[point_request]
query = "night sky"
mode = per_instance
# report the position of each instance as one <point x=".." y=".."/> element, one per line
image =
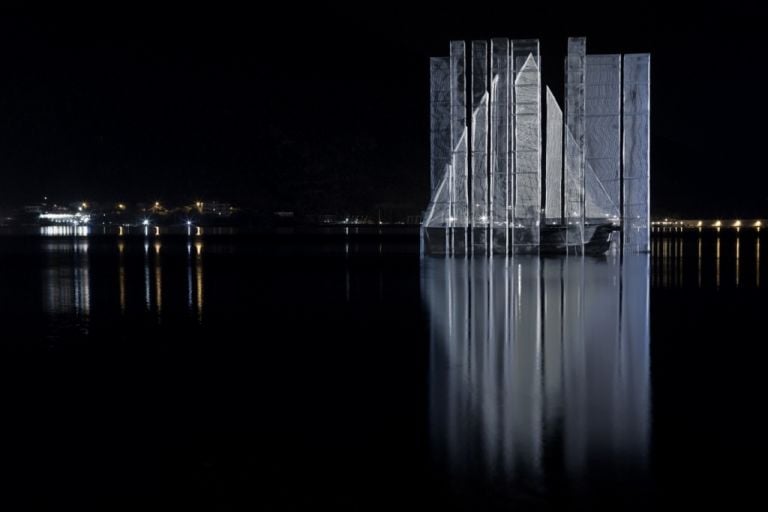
<point x="326" y="109"/>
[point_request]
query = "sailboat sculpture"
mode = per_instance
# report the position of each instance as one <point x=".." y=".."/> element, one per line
<point x="488" y="192"/>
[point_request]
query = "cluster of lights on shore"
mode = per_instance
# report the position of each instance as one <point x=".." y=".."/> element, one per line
<point x="81" y="219"/>
<point x="156" y="229"/>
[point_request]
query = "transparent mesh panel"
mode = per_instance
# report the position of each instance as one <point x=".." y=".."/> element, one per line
<point x="573" y="193"/>
<point x="439" y="119"/>
<point x="596" y="197"/>
<point x="479" y="205"/>
<point x="527" y="144"/>
<point x="602" y="128"/>
<point x="553" y="209"/>
<point x="440" y="142"/>
<point x="500" y="138"/>
<point x="636" y="151"/>
<point x="438" y="211"/>
<point x="459" y="210"/>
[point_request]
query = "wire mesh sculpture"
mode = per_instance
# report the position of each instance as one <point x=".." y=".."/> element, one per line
<point x="488" y="194"/>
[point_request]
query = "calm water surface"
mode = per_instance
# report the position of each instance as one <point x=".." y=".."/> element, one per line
<point x="290" y="372"/>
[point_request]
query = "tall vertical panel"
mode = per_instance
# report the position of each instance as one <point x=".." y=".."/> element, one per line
<point x="553" y="205"/>
<point x="573" y="193"/>
<point x="636" y="151"/>
<point x="459" y="163"/>
<point x="480" y="97"/>
<point x="500" y="142"/>
<point x="440" y="141"/>
<point x="602" y="137"/>
<point x="527" y="144"/>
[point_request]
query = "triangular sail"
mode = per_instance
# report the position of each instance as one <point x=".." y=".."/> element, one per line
<point x="553" y="205"/>
<point x="438" y="211"/>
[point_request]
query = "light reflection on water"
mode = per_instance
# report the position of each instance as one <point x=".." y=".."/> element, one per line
<point x="65" y="230"/>
<point x="195" y="279"/>
<point x="121" y="275"/>
<point x="722" y="260"/>
<point x="147" y="291"/>
<point x="199" y="279"/>
<point x="66" y="277"/>
<point x="158" y="269"/>
<point x="538" y="367"/>
<point x="67" y="287"/>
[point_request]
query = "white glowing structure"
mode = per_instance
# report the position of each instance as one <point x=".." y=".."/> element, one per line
<point x="449" y="208"/>
<point x="573" y="183"/>
<point x="602" y="137"/>
<point x="440" y="137"/>
<point x="636" y="151"/>
<point x="527" y="144"/>
<point x="553" y="211"/>
<point x="459" y="167"/>
<point x="500" y="143"/>
<point x="489" y="194"/>
<point x="478" y="212"/>
<point x="66" y="218"/>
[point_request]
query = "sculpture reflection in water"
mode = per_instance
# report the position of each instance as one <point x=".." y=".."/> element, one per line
<point x="539" y="368"/>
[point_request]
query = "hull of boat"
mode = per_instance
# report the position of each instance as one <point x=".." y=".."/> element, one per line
<point x="554" y="239"/>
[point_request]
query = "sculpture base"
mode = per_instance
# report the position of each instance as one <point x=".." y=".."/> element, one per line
<point x="554" y="239"/>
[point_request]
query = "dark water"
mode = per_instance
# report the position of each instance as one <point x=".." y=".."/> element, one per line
<point x="292" y="372"/>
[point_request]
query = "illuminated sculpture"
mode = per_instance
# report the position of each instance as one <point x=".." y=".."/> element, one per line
<point x="488" y="194"/>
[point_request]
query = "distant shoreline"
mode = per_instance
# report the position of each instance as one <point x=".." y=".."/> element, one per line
<point x="192" y="231"/>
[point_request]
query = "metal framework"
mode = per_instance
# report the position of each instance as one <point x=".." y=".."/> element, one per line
<point x="636" y="151"/>
<point x="573" y="185"/>
<point x="501" y="143"/>
<point x="527" y="144"/>
<point x="553" y="210"/>
<point x="440" y="140"/>
<point x="480" y="96"/>
<point x="459" y="176"/>
<point x="488" y="192"/>
<point x="602" y="137"/>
